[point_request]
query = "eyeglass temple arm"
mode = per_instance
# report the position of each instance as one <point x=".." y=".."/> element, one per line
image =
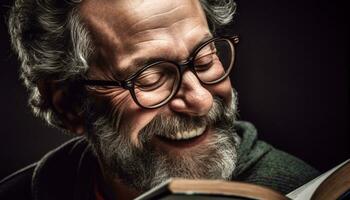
<point x="234" y="39"/>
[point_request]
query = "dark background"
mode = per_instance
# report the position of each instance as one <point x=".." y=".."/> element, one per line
<point x="291" y="77"/>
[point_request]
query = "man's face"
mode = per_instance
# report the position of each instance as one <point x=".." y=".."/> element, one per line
<point x="128" y="34"/>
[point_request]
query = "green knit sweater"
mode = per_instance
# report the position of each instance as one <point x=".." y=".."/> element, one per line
<point x="262" y="164"/>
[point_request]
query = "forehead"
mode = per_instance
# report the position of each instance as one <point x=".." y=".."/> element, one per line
<point x="124" y="31"/>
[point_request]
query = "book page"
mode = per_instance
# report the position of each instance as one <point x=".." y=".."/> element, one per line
<point x="305" y="192"/>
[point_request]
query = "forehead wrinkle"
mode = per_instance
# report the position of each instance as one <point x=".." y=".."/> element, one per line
<point x="165" y="50"/>
<point x="103" y="34"/>
<point x="146" y="23"/>
<point x="161" y="27"/>
<point x="157" y="35"/>
<point x="166" y="45"/>
<point x="104" y="20"/>
<point x="161" y="31"/>
<point x="139" y="58"/>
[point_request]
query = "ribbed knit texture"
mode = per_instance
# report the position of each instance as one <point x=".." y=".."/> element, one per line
<point x="262" y="164"/>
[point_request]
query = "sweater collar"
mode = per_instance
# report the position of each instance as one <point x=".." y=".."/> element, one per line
<point x="66" y="172"/>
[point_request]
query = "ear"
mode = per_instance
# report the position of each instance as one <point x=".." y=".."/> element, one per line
<point x="64" y="103"/>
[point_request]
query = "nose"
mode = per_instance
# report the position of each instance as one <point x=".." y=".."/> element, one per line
<point x="192" y="98"/>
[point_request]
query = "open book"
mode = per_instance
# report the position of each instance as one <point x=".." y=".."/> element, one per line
<point x="334" y="184"/>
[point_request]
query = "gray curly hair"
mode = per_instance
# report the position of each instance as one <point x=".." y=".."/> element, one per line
<point x="53" y="44"/>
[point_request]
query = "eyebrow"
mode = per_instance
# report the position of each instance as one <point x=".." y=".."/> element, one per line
<point x="141" y="62"/>
<point x="206" y="37"/>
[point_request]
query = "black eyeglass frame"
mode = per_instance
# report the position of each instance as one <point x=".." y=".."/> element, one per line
<point x="129" y="83"/>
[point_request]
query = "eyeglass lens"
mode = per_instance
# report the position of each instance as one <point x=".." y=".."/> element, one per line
<point x="214" y="61"/>
<point x="158" y="83"/>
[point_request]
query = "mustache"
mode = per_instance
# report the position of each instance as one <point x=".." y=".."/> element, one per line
<point x="169" y="125"/>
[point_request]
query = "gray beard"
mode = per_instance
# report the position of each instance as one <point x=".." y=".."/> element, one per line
<point x="143" y="167"/>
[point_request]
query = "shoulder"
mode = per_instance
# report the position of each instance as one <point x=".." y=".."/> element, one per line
<point x="18" y="184"/>
<point x="55" y="171"/>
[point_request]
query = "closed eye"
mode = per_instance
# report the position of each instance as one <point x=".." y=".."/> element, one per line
<point x="204" y="62"/>
<point x="151" y="81"/>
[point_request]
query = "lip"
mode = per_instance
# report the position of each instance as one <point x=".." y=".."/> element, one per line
<point x="171" y="145"/>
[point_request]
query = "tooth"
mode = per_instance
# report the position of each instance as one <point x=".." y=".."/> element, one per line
<point x="194" y="132"/>
<point x="186" y="134"/>
<point x="189" y="134"/>
<point x="200" y="131"/>
<point x="178" y="136"/>
<point x="183" y="135"/>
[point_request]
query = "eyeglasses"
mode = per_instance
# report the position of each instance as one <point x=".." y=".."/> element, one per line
<point x="155" y="84"/>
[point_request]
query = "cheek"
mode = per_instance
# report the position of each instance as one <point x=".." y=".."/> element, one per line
<point x="116" y="102"/>
<point x="133" y="117"/>
<point x="110" y="101"/>
<point x="223" y="90"/>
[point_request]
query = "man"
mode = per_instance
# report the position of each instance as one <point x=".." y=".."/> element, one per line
<point x="144" y="84"/>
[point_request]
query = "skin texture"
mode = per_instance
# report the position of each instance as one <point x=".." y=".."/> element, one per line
<point x="129" y="33"/>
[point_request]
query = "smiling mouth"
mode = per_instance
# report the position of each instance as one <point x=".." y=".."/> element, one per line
<point x="183" y="139"/>
<point x="185" y="135"/>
